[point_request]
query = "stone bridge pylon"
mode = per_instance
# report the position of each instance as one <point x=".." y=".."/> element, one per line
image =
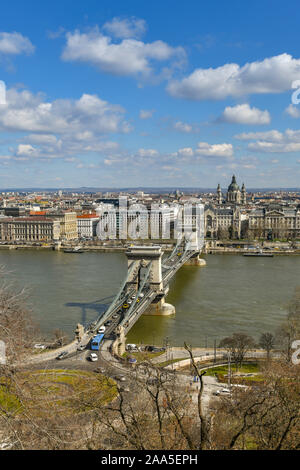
<point x="148" y="260"/>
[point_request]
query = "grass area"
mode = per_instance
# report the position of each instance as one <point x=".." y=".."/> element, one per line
<point x="250" y="368"/>
<point x="246" y="368"/>
<point x="64" y="391"/>
<point x="141" y="356"/>
<point x="9" y="402"/>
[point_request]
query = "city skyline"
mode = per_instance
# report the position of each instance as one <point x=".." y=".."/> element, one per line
<point x="116" y="96"/>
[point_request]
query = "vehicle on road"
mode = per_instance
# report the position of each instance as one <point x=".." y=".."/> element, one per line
<point x="124" y="389"/>
<point x="96" y="341"/>
<point x="154" y="349"/>
<point x="108" y="322"/>
<point x="222" y="391"/>
<point x="131" y="347"/>
<point x="39" y="346"/>
<point x="115" y="316"/>
<point x="121" y="378"/>
<point x="62" y="355"/>
<point x="93" y="357"/>
<point x="101" y="329"/>
<point x="81" y="347"/>
<point x="99" y="370"/>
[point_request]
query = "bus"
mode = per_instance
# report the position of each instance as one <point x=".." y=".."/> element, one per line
<point x="96" y="341"/>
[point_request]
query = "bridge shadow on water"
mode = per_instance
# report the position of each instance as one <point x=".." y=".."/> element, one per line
<point x="97" y="306"/>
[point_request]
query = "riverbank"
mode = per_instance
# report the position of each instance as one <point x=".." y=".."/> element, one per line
<point x="278" y="250"/>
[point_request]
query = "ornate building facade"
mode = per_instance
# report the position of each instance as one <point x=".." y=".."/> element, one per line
<point x="222" y="222"/>
<point x="274" y="222"/>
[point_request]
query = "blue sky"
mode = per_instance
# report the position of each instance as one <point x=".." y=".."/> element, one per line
<point x="170" y="93"/>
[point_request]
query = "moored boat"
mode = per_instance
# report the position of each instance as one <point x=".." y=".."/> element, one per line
<point x="76" y="249"/>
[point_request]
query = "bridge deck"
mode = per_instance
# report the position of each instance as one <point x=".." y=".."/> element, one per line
<point x="138" y="301"/>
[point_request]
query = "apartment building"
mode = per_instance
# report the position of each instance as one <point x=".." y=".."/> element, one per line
<point x="29" y="229"/>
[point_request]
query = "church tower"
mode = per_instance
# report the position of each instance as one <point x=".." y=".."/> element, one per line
<point x="219" y="194"/>
<point x="244" y="195"/>
<point x="233" y="193"/>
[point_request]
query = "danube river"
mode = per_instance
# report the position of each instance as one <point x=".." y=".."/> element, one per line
<point x="232" y="293"/>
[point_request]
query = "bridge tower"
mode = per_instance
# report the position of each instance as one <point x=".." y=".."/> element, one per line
<point x="142" y="256"/>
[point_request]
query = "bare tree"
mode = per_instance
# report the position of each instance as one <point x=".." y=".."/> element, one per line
<point x="238" y="345"/>
<point x="267" y="342"/>
<point x="265" y="417"/>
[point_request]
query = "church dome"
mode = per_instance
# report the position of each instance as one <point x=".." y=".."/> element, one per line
<point x="233" y="185"/>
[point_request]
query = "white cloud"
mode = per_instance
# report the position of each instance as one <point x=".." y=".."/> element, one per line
<point x="25" y="111"/>
<point x="14" y="44"/>
<point x="273" y="136"/>
<point x="215" y="150"/>
<point x="186" y="152"/>
<point x="146" y="114"/>
<point x="183" y="127"/>
<point x="293" y="111"/>
<point x="62" y="127"/>
<point x="26" y="150"/>
<point x="270" y="147"/>
<point x="271" y="75"/>
<point x="147" y="153"/>
<point x="244" y="114"/>
<point x="129" y="57"/>
<point x="126" y="27"/>
<point x="273" y="141"/>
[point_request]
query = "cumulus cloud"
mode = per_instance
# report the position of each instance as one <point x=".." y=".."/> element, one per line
<point x="273" y="141"/>
<point x="15" y="44"/>
<point x="244" y="114"/>
<point x="273" y="136"/>
<point x="25" y="111"/>
<point x="293" y="111"/>
<point x="183" y="127"/>
<point x="186" y="152"/>
<point x="129" y="57"/>
<point x="147" y="153"/>
<point x="61" y="127"/>
<point x="214" y="150"/>
<point x="146" y="114"/>
<point x="126" y="27"/>
<point x="271" y="75"/>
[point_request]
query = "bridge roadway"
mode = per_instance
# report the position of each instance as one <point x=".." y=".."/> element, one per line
<point x="130" y="304"/>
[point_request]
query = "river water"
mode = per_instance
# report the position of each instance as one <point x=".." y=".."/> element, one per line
<point x="232" y="293"/>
